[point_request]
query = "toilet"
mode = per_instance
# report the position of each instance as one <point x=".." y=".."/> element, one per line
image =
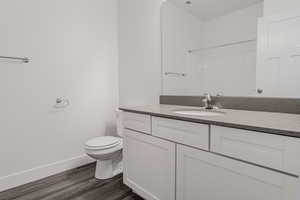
<point x="107" y="150"/>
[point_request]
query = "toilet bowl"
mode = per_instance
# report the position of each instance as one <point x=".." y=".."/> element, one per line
<point x="107" y="151"/>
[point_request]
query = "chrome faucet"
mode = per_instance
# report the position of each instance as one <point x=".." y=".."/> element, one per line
<point x="208" y="103"/>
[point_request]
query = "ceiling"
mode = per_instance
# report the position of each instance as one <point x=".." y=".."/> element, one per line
<point x="208" y="9"/>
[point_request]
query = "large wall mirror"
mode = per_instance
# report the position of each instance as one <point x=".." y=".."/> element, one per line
<point x="229" y="49"/>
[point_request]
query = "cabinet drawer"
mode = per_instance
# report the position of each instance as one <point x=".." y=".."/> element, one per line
<point x="192" y="134"/>
<point x="273" y="151"/>
<point x="137" y="122"/>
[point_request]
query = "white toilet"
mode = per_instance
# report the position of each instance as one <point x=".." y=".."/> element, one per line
<point x="107" y="150"/>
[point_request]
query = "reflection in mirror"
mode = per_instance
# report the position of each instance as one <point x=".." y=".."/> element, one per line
<point x="226" y="49"/>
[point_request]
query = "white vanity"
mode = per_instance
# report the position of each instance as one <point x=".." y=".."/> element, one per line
<point x="167" y="157"/>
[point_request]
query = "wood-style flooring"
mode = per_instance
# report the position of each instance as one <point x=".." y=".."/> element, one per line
<point x="76" y="184"/>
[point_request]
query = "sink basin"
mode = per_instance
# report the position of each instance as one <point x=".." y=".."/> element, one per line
<point x="200" y="113"/>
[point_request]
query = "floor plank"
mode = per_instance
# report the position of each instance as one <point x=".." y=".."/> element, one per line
<point x="76" y="184"/>
<point x="133" y="197"/>
<point x="85" y="171"/>
<point x="114" y="190"/>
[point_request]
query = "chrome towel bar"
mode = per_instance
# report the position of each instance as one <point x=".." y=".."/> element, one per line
<point x="175" y="73"/>
<point x="24" y="60"/>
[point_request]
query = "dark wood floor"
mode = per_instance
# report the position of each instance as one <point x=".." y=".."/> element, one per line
<point x="77" y="184"/>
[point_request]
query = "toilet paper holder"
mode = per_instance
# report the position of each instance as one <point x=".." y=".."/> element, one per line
<point x="61" y="102"/>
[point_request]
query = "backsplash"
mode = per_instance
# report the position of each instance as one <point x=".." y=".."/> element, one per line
<point x="282" y="105"/>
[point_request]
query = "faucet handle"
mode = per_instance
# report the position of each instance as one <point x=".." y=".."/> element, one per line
<point x="207" y="96"/>
<point x="205" y="102"/>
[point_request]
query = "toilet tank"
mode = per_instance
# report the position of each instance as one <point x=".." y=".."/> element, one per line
<point x="119" y="115"/>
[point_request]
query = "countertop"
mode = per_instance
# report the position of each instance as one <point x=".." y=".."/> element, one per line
<point x="267" y="122"/>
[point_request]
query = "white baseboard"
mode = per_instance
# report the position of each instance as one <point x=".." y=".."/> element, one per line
<point x="27" y="176"/>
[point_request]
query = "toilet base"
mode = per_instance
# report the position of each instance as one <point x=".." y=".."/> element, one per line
<point x="106" y="169"/>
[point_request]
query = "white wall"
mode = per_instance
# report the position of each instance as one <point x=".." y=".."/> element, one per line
<point x="139" y="52"/>
<point x="73" y="47"/>
<point x="273" y="7"/>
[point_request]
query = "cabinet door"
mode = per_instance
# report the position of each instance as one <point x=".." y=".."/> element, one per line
<point x="278" y="58"/>
<point x="149" y="166"/>
<point x="203" y="175"/>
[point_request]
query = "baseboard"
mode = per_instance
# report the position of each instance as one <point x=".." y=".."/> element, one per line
<point x="27" y="176"/>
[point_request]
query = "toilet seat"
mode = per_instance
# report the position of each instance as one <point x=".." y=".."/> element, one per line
<point x="105" y="142"/>
<point x="107" y="151"/>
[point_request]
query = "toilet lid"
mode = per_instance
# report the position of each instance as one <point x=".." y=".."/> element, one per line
<point x="102" y="142"/>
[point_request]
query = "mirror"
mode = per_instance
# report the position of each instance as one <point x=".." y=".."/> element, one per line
<point x="229" y="49"/>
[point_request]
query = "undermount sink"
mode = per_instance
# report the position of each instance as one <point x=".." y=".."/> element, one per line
<point x="199" y="113"/>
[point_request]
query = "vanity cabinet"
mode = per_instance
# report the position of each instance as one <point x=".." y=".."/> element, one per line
<point x="149" y="166"/>
<point x="203" y="175"/>
<point x="167" y="159"/>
